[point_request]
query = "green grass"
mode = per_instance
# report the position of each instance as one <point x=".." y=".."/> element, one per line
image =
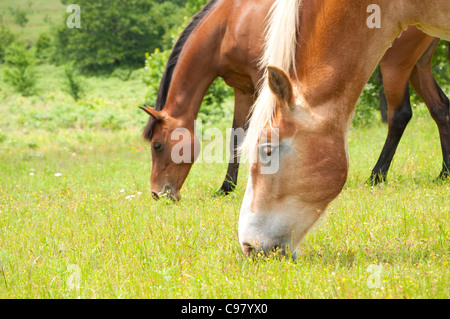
<point x="75" y="195"/>
<point x="42" y="16"/>
<point x="134" y="247"/>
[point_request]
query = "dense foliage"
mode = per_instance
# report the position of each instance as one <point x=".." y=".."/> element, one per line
<point x="118" y="37"/>
<point x="20" y="69"/>
<point x="117" y="33"/>
<point x="6" y="38"/>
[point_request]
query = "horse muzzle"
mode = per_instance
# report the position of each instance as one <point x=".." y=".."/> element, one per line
<point x="266" y="250"/>
<point x="168" y="192"/>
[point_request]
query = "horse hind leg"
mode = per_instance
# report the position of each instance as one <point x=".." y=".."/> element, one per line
<point x="425" y="85"/>
<point x="398" y="118"/>
<point x="396" y="67"/>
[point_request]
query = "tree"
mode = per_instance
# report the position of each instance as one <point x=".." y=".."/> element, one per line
<point x="6" y="39"/>
<point x="20" y="72"/>
<point x="20" y="17"/>
<point x="116" y="33"/>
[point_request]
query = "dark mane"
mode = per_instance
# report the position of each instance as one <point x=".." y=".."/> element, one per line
<point x="172" y="62"/>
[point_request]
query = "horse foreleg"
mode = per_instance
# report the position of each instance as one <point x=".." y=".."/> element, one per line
<point x="425" y="85"/>
<point x="243" y="102"/>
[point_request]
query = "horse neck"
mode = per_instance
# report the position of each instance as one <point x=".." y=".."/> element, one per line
<point x="337" y="53"/>
<point x="195" y="71"/>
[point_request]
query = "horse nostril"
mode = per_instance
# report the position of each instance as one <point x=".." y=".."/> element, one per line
<point x="247" y="248"/>
<point x="155" y="195"/>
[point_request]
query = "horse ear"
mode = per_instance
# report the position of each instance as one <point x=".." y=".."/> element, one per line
<point x="152" y="112"/>
<point x="280" y="84"/>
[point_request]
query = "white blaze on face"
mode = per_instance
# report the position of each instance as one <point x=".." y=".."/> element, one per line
<point x="246" y="211"/>
<point x="263" y="230"/>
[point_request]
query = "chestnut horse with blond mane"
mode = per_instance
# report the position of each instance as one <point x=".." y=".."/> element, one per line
<point x="225" y="40"/>
<point x="319" y="54"/>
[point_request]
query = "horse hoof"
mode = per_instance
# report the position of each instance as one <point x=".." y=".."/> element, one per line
<point x="221" y="192"/>
<point x="443" y="177"/>
<point x="376" y="179"/>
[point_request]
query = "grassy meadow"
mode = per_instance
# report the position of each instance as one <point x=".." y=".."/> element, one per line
<point x="42" y="15"/>
<point x="77" y="219"/>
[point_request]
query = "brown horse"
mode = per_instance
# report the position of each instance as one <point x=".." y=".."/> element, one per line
<point x="225" y="40"/>
<point x="319" y="55"/>
<point x="400" y="64"/>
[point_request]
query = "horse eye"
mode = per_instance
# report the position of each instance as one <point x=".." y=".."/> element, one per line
<point x="266" y="149"/>
<point x="157" y="146"/>
<point x="266" y="153"/>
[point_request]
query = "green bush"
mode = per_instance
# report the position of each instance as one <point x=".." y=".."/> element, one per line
<point x="440" y="64"/>
<point x="6" y="39"/>
<point x="20" y="73"/>
<point x="155" y="64"/>
<point x="44" y="47"/>
<point x="3" y="137"/>
<point x="73" y="83"/>
<point x="368" y="106"/>
<point x="193" y="6"/>
<point x="214" y="106"/>
<point x="20" y="17"/>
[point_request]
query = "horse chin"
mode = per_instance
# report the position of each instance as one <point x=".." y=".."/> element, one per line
<point x="260" y="236"/>
<point x="270" y="250"/>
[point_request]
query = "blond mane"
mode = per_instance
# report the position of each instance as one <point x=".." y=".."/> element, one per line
<point x="279" y="50"/>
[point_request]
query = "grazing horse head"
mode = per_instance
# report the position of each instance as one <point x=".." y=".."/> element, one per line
<point x="171" y="122"/>
<point x="222" y="40"/>
<point x="174" y="148"/>
<point x="310" y="170"/>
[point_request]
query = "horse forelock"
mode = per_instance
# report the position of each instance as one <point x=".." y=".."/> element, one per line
<point x="166" y="79"/>
<point x="280" y="51"/>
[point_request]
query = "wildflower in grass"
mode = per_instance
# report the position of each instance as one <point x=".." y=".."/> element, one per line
<point x="58" y="174"/>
